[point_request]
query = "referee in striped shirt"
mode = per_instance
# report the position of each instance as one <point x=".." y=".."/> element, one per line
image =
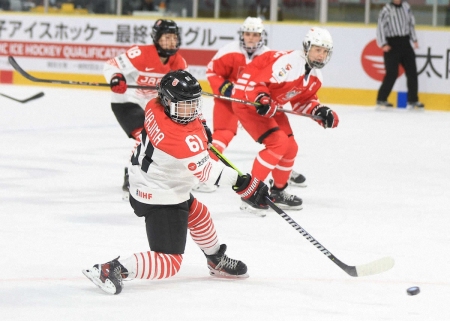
<point x="395" y="31"/>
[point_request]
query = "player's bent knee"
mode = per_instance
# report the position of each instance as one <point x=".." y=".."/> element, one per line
<point x="198" y="214"/>
<point x="278" y="142"/>
<point x="292" y="147"/>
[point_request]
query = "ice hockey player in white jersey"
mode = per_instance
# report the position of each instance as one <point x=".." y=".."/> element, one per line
<point x="142" y="65"/>
<point x="170" y="159"/>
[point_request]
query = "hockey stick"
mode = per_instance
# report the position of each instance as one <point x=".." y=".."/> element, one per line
<point x="287" y="111"/>
<point x="374" y="267"/>
<point x="19" y="69"/>
<point x="246" y="102"/>
<point x="38" y="95"/>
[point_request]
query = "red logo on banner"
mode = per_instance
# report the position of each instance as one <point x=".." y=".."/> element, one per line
<point x="373" y="62"/>
<point x="192" y="166"/>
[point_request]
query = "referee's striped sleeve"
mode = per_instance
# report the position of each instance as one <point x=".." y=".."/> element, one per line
<point x="381" y="34"/>
<point x="412" y="29"/>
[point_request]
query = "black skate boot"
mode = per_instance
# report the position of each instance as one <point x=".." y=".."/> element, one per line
<point x="126" y="185"/>
<point x="384" y="105"/>
<point x="251" y="208"/>
<point x="284" y="200"/>
<point x="297" y="179"/>
<point x="222" y="266"/>
<point x="108" y="276"/>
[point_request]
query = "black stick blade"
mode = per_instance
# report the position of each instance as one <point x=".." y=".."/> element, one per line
<point x="38" y="95"/>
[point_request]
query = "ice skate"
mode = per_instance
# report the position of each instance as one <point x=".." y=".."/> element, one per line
<point x="284" y="200"/>
<point x="418" y="106"/>
<point x="222" y="266"/>
<point x="384" y="105"/>
<point x="107" y="276"/>
<point x="251" y="208"/>
<point x="204" y="188"/>
<point x="126" y="185"/>
<point x="297" y="179"/>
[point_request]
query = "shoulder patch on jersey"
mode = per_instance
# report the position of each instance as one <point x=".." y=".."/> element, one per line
<point x="122" y="63"/>
<point x="192" y="166"/>
<point x="287" y="67"/>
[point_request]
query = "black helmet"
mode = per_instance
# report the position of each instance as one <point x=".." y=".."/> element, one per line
<point x="180" y="87"/>
<point x="162" y="27"/>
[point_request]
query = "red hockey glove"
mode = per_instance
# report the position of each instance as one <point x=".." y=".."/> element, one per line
<point x="252" y="190"/>
<point x="118" y="84"/>
<point x="226" y="89"/>
<point x="266" y="107"/>
<point x="329" y="118"/>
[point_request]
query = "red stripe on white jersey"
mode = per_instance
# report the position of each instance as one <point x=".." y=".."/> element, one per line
<point x="204" y="174"/>
<point x="112" y="62"/>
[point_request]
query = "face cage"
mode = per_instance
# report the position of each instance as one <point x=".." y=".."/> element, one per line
<point x="317" y="64"/>
<point x="251" y="50"/>
<point x="167" y="52"/>
<point x="193" y="106"/>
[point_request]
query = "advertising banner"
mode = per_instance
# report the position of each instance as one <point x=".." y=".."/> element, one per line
<point x="81" y="45"/>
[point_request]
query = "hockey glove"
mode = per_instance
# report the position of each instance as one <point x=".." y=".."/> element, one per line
<point x="266" y="107"/>
<point x="226" y="89"/>
<point x="252" y="190"/>
<point x="118" y="84"/>
<point x="208" y="131"/>
<point x="329" y="118"/>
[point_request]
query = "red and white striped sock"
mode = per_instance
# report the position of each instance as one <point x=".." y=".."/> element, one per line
<point x="202" y="228"/>
<point x="152" y="265"/>
<point x="156" y="265"/>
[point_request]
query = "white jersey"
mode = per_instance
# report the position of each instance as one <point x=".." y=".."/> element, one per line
<point x="141" y="65"/>
<point x="171" y="159"/>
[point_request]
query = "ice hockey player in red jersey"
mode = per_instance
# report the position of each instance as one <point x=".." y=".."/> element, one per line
<point x="272" y="80"/>
<point x="172" y="156"/>
<point x="222" y="72"/>
<point x="142" y="65"/>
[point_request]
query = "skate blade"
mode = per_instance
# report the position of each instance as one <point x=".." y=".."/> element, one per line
<point x="203" y="188"/>
<point x="107" y="287"/>
<point x="249" y="209"/>
<point x="225" y="275"/>
<point x="384" y="108"/>
<point x="287" y="207"/>
<point x="415" y="109"/>
<point x="291" y="183"/>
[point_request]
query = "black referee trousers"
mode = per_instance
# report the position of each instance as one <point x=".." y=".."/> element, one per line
<point x="401" y="53"/>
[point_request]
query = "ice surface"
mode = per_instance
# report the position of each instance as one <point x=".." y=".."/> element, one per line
<point x="378" y="185"/>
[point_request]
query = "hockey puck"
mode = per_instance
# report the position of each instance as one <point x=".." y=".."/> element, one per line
<point x="413" y="290"/>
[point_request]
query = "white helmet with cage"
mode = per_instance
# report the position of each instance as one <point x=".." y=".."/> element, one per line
<point x="252" y="25"/>
<point x="318" y="37"/>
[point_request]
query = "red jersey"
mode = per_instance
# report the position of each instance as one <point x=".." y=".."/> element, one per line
<point x="171" y="159"/>
<point x="281" y="74"/>
<point x="141" y="65"/>
<point x="228" y="63"/>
